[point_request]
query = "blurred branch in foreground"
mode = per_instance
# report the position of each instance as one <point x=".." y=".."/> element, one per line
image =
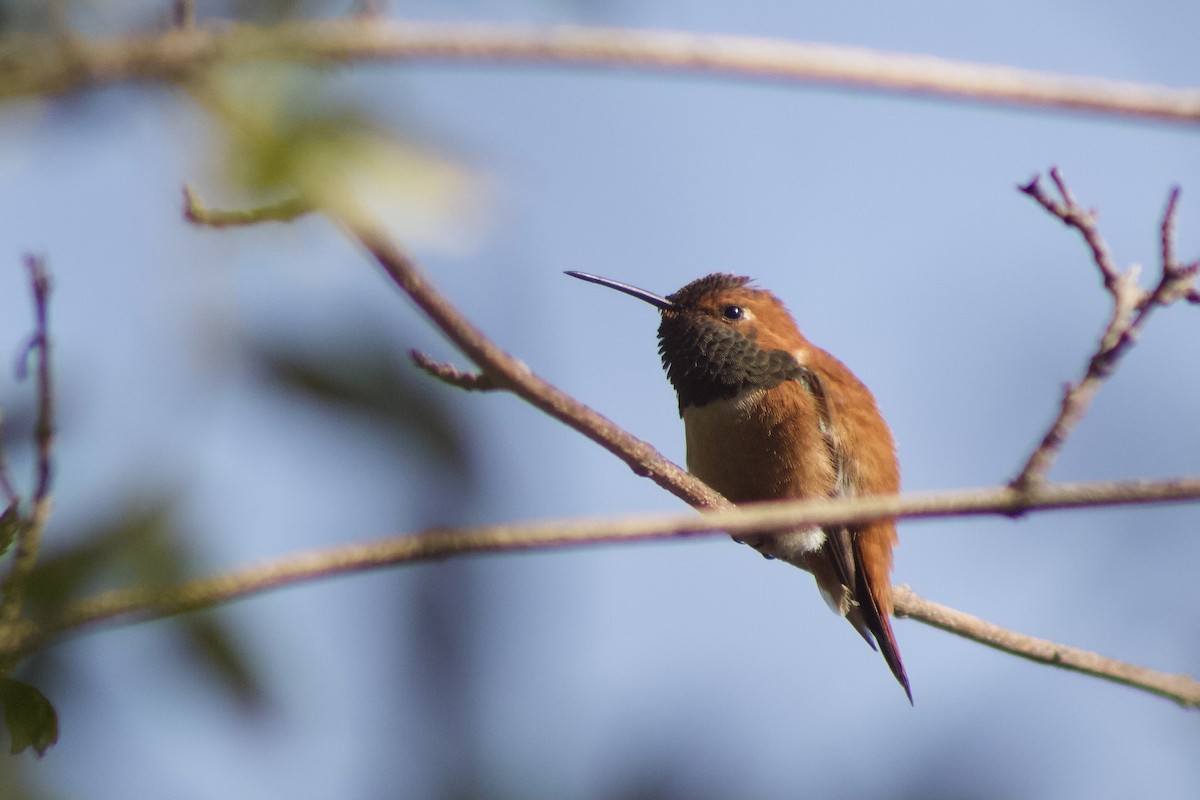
<point x="53" y="63"/>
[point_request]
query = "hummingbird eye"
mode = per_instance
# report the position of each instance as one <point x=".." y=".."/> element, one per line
<point x="733" y="313"/>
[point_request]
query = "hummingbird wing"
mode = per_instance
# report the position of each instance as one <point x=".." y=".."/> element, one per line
<point x="845" y="548"/>
<point x="839" y="547"/>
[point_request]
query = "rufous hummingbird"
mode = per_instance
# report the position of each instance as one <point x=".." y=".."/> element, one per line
<point x="767" y="415"/>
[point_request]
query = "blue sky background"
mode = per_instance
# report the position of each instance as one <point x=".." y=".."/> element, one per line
<point x="892" y="228"/>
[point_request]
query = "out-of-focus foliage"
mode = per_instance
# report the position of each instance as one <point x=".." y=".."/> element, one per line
<point x="29" y="716"/>
<point x="291" y="133"/>
<point x="362" y="377"/>
<point x="9" y="523"/>
<point x="142" y="547"/>
<point x="265" y="12"/>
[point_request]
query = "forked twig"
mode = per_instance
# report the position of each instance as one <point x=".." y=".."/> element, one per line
<point x="29" y="529"/>
<point x="452" y="375"/>
<point x="1178" y="280"/>
<point x="1132" y="306"/>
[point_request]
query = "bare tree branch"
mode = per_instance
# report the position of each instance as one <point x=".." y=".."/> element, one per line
<point x="43" y="432"/>
<point x="452" y="375"/>
<point x="41" y="65"/>
<point x="1182" y="689"/>
<point x="29" y="529"/>
<point x="1177" y="281"/>
<point x="183" y="13"/>
<point x="197" y="213"/>
<point x="1132" y="307"/>
<point x="127" y="606"/>
<point x="504" y="371"/>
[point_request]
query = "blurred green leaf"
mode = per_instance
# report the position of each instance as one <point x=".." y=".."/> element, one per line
<point x="221" y="656"/>
<point x="282" y="156"/>
<point x="362" y="377"/>
<point x="295" y="133"/>
<point x="10" y="523"/>
<point x="98" y="556"/>
<point x="143" y="546"/>
<point x="265" y="12"/>
<point x="30" y="717"/>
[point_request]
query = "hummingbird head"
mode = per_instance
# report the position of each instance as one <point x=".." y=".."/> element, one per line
<point x="720" y="337"/>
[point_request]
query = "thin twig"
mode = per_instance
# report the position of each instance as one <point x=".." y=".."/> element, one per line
<point x="1177" y="281"/>
<point x="29" y="532"/>
<point x="1131" y="308"/>
<point x="1182" y="689"/>
<point x="1166" y="234"/>
<point x="47" y="65"/>
<point x="505" y="371"/>
<point x="452" y="375"/>
<point x="183" y="13"/>
<point x="1083" y="220"/>
<point x="6" y="485"/>
<point x="43" y="432"/>
<point x="197" y="213"/>
<point x="127" y="606"/>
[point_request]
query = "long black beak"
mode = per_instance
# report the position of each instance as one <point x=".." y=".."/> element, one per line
<point x="655" y="300"/>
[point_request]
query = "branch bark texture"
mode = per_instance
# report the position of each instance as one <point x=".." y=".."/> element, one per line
<point x="38" y="65"/>
<point x="136" y="604"/>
